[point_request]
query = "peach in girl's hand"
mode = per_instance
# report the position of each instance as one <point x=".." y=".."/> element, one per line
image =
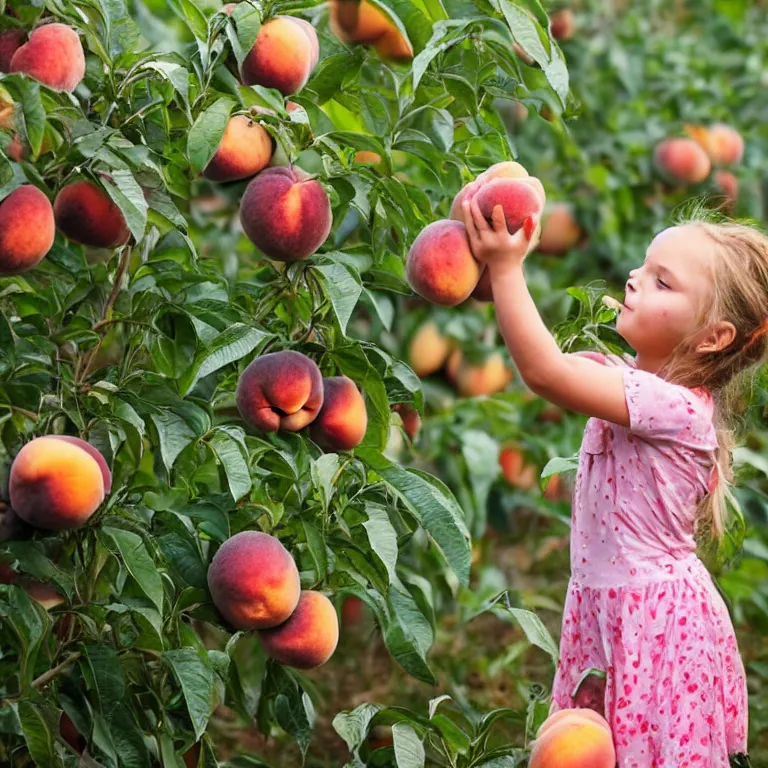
<point x="574" y="738"/>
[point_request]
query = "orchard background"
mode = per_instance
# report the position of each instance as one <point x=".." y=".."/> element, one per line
<point x="441" y="538"/>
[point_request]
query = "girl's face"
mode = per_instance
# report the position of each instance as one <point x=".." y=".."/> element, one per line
<point x="665" y="296"/>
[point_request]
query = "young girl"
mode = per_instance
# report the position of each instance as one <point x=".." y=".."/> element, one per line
<point x="654" y="465"/>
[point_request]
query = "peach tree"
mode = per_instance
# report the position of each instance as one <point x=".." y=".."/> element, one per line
<point x="173" y="229"/>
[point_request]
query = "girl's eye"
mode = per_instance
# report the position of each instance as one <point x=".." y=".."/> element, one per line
<point x="661" y="282"/>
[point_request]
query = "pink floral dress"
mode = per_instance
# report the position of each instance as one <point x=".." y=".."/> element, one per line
<point x="640" y="605"/>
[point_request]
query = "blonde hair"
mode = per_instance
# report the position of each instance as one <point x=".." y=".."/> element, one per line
<point x="740" y="296"/>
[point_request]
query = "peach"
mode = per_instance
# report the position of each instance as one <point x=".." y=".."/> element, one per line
<point x="487" y="378"/>
<point x="283" y="56"/>
<point x="253" y="581"/>
<point x="428" y="350"/>
<point x="393" y="46"/>
<point x="508" y="169"/>
<point x="484" y="288"/>
<point x="27" y="229"/>
<point x="682" y="159"/>
<point x="280" y="390"/>
<point x="410" y="418"/>
<point x="10" y="525"/>
<point x="285" y="213"/>
<point x="367" y="158"/>
<point x="228" y="8"/>
<point x="572" y="714"/>
<point x="87" y="215"/>
<point x="7" y="574"/>
<point x="53" y="55"/>
<point x="555" y="489"/>
<point x="562" y="23"/>
<point x="518" y="49"/>
<point x="43" y="593"/>
<point x="10" y="41"/>
<point x="352" y="610"/>
<point x="515" y="470"/>
<point x="245" y="149"/>
<point x="56" y="483"/>
<point x="468" y="191"/>
<point x="308" y="638"/>
<point x="354" y="21"/>
<point x="192" y="756"/>
<point x="440" y="266"/>
<point x="559" y="231"/>
<point x="728" y="186"/>
<point x="574" y="742"/>
<point x="342" y="421"/>
<point x="726" y="146"/>
<point x="518" y="199"/>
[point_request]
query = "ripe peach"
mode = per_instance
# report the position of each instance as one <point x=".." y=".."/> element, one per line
<point x="244" y="150"/>
<point x="43" y="593"/>
<point x="352" y="610"/>
<point x="726" y="146"/>
<point x="53" y="55"/>
<point x="7" y="574"/>
<point x="410" y="418"/>
<point x="253" y="581"/>
<point x="10" y="41"/>
<point x="428" y="350"/>
<point x="440" y="266"/>
<point x="515" y="470"/>
<point x="562" y="24"/>
<point x="87" y="215"/>
<point x="555" y="489"/>
<point x="367" y="158"/>
<point x="572" y="714"/>
<point x="192" y="756"/>
<point x="285" y="213"/>
<point x="728" y="186"/>
<point x="280" y="390"/>
<point x="393" y="46"/>
<point x="468" y="191"/>
<point x="70" y="734"/>
<point x="508" y="169"/>
<point x="314" y="43"/>
<point x="574" y="742"/>
<point x="518" y="199"/>
<point x="484" y="288"/>
<point x="283" y="55"/>
<point x="309" y="637"/>
<point x="518" y="49"/>
<point x="10" y="525"/>
<point x="683" y="160"/>
<point x="488" y="378"/>
<point x="357" y="22"/>
<point x="559" y="231"/>
<point x="342" y="421"/>
<point x="27" y="229"/>
<point x="56" y="484"/>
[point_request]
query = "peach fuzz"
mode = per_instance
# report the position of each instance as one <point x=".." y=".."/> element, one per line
<point x="86" y="214"/>
<point x="559" y="230"/>
<point x="280" y="390"/>
<point x="428" y="350"/>
<point x="245" y="149"/>
<point x="286" y="214"/>
<point x="56" y="484"/>
<point x="574" y="743"/>
<point x="682" y="159"/>
<point x="518" y="199"/>
<point x="27" y="230"/>
<point x="308" y="638"/>
<point x="53" y="55"/>
<point x="253" y="581"/>
<point x="282" y="57"/>
<point x="572" y="714"/>
<point x="10" y="41"/>
<point x="440" y="266"/>
<point x="342" y="421"/>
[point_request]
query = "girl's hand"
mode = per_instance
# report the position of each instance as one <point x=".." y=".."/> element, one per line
<point x="495" y="244"/>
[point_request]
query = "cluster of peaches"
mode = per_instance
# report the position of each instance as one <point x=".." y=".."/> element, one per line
<point x="691" y="160"/>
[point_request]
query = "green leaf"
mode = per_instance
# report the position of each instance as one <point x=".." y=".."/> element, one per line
<point x="195" y="18"/>
<point x="353" y="726"/>
<point x="408" y="635"/>
<point x="317" y="548"/>
<point x="174" y="435"/>
<point x="28" y="622"/>
<point x="195" y="676"/>
<point x="129" y="197"/>
<point x="343" y="289"/>
<point x="409" y="750"/>
<point x="535" y="631"/>
<point x="205" y="135"/>
<point x="34" y="113"/>
<point x="247" y="20"/>
<point x="37" y="735"/>
<point x="433" y="504"/>
<point x="456" y="739"/>
<point x="382" y="537"/>
<point x="560" y="464"/>
<point x="134" y="555"/>
<point x="230" y="454"/>
<point x="323" y="470"/>
<point x="107" y="676"/>
<point x="228" y="347"/>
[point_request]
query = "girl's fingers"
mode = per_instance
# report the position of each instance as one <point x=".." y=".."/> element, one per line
<point x="480" y="223"/>
<point x="469" y="221"/>
<point x="529" y="226"/>
<point x="499" y="220"/>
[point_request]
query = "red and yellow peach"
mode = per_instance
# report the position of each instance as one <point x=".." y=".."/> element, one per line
<point x="27" y="229"/>
<point x="53" y="55"/>
<point x="342" y="421"/>
<point x="86" y="214"/>
<point x="245" y="149"/>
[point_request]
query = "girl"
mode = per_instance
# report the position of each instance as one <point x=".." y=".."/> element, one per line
<point x="654" y="467"/>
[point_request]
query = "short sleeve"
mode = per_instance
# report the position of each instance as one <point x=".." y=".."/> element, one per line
<point x="659" y="410"/>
